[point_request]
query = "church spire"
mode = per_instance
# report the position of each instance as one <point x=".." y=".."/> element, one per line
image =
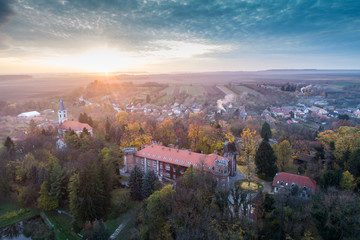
<point x="62" y="113"/>
<point x="61" y="107"/>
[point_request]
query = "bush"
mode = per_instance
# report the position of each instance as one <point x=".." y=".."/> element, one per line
<point x="13" y="214"/>
<point x="120" y="201"/>
<point x="77" y="226"/>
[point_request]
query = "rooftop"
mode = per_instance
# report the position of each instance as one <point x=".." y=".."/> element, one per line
<point x="180" y="157"/>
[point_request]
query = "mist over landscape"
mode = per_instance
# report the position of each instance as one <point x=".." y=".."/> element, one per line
<point x="168" y="119"/>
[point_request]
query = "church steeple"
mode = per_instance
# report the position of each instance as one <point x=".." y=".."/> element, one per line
<point x="62" y="113"/>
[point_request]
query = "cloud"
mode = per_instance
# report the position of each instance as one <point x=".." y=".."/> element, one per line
<point x="5" y="11"/>
<point x="247" y="27"/>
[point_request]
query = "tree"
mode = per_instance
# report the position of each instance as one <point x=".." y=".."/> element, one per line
<point x="57" y="182"/>
<point x="45" y="202"/>
<point x="337" y="214"/>
<point x="347" y="181"/>
<point x="148" y="185"/>
<point x="74" y="186"/>
<point x="249" y="145"/>
<point x="10" y="147"/>
<point x="283" y="154"/>
<point x="266" y="130"/>
<point x="265" y="160"/>
<point x="135" y="183"/>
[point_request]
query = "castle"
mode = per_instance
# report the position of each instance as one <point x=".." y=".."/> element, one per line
<point x="169" y="163"/>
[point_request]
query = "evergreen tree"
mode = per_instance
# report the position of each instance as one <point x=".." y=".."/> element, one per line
<point x="10" y="147"/>
<point x="148" y="185"/>
<point x="135" y="183"/>
<point x="265" y="160"/>
<point x="42" y="175"/>
<point x="34" y="174"/>
<point x="266" y="131"/>
<point x="45" y="202"/>
<point x="74" y="186"/>
<point x="57" y="182"/>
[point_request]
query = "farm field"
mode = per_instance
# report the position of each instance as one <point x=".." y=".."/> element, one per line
<point x="225" y="90"/>
<point x="193" y="90"/>
<point x="242" y="89"/>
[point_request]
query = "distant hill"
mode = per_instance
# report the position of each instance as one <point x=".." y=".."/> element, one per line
<point x="14" y="77"/>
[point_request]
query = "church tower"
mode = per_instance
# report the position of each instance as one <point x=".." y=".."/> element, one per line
<point x="62" y="113"/>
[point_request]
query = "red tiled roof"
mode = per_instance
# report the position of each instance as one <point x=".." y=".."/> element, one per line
<point x="178" y="156"/>
<point x="293" y="178"/>
<point x="74" y="125"/>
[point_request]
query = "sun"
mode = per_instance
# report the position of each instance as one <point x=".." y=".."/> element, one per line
<point x="102" y="60"/>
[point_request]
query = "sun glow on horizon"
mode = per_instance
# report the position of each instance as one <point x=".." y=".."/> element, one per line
<point x="103" y="60"/>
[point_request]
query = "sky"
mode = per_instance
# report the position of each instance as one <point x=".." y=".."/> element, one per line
<point x="55" y="36"/>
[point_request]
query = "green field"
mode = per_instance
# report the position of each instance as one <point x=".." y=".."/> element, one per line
<point x="6" y="208"/>
<point x="193" y="90"/>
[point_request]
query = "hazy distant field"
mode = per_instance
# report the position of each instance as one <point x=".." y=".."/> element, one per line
<point x="41" y="86"/>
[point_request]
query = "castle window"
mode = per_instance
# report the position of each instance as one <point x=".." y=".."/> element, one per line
<point x="154" y="155"/>
<point x="148" y="154"/>
<point x="176" y="160"/>
<point x="170" y="159"/>
<point x="142" y="168"/>
<point x="195" y="164"/>
<point x="148" y="163"/>
<point x="159" y="156"/>
<point x="167" y="175"/>
<point x="174" y="176"/>
<point x="277" y="182"/>
<point x="161" y="165"/>
<point x="143" y="153"/>
<point x="286" y="184"/>
<point x="167" y="167"/>
<point x="137" y="160"/>
<point x="142" y="161"/>
<point x="165" y="158"/>
<point x="130" y="168"/>
<point x="174" y="170"/>
<point x="154" y="163"/>
<point x="182" y="161"/>
<point x="189" y="163"/>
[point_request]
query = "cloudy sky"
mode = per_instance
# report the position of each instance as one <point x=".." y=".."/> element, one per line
<point x="177" y="36"/>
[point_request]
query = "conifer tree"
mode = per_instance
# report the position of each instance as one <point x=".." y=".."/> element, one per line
<point x="57" y="182"/>
<point x="148" y="185"/>
<point x="266" y="131"/>
<point x="265" y="160"/>
<point x="135" y="182"/>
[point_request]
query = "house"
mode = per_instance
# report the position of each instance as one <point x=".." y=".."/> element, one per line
<point x="287" y="181"/>
<point x="170" y="163"/>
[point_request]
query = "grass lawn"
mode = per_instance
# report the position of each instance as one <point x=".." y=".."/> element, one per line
<point x="254" y="186"/>
<point x="126" y="231"/>
<point x="129" y="216"/>
<point x="62" y="225"/>
<point x="6" y="208"/>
